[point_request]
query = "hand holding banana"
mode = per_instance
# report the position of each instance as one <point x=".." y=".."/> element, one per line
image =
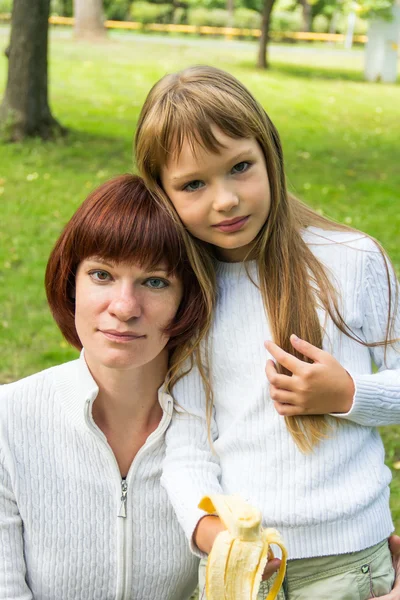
<point x="239" y="554"/>
<point x="317" y="388"/>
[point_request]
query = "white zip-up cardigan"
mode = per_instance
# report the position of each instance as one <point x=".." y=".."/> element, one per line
<point x="70" y="529"/>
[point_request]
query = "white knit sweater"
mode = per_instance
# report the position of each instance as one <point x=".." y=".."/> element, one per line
<point x="62" y="536"/>
<point x="335" y="500"/>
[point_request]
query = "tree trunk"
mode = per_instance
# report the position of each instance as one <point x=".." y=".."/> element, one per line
<point x="230" y="7"/>
<point x="89" y="19"/>
<point x="306" y="14"/>
<point x="263" y="62"/>
<point x="25" y="109"/>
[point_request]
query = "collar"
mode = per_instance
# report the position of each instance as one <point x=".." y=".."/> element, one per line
<point x="75" y="386"/>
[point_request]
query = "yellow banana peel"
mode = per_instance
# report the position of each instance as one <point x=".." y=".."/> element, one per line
<point x="239" y="554"/>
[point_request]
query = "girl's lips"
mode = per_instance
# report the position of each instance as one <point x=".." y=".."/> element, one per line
<point x="231" y="226"/>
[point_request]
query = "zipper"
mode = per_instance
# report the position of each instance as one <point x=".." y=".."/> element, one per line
<point x="124" y="493"/>
<point x="122" y="580"/>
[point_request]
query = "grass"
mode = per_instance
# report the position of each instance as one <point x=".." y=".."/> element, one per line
<point x="340" y="137"/>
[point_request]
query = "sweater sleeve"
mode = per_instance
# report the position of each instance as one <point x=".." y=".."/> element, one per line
<point x="191" y="469"/>
<point x="12" y="563"/>
<point x="377" y="396"/>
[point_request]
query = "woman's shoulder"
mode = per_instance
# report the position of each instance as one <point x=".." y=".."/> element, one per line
<point x="33" y="387"/>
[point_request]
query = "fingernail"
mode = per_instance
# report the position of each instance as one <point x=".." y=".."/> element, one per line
<point x="294" y="337"/>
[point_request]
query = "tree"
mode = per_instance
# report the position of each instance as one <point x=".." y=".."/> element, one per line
<point x="263" y="62"/>
<point x="89" y="20"/>
<point x="25" y="109"/>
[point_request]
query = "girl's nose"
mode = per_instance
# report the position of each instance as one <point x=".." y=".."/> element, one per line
<point x="125" y="305"/>
<point x="225" y="199"/>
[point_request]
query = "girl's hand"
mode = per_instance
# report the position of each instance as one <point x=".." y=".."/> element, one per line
<point x="317" y="388"/>
<point x="207" y="530"/>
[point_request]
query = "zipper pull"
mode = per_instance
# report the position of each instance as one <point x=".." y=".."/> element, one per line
<point x="124" y="491"/>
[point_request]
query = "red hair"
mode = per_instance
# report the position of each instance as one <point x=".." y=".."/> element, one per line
<point x="122" y="222"/>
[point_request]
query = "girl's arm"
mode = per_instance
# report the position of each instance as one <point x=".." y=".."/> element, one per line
<point x="377" y="395"/>
<point x="325" y="387"/>
<point x="12" y="563"/>
<point x="191" y="469"/>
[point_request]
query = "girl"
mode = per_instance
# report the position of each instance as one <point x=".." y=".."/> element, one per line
<point x="82" y="511"/>
<point x="297" y="438"/>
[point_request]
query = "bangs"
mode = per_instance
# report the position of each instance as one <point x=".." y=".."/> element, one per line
<point x="122" y="222"/>
<point x="188" y="108"/>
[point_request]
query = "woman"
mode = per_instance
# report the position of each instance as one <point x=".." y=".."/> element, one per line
<point x="82" y="512"/>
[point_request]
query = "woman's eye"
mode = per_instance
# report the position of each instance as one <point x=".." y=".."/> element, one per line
<point x="100" y="276"/>
<point x="241" y="167"/>
<point x="156" y="283"/>
<point x="193" y="186"/>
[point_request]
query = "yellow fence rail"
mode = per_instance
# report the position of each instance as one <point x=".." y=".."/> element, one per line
<point x="205" y="30"/>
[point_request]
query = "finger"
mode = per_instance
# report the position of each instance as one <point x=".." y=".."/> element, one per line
<point x="291" y="363"/>
<point x="284" y="409"/>
<point x="283" y="382"/>
<point x="282" y="396"/>
<point x="316" y="354"/>
<point x="271" y="567"/>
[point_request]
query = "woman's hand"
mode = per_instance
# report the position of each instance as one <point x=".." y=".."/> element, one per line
<point x="317" y="388"/>
<point x="394" y="545"/>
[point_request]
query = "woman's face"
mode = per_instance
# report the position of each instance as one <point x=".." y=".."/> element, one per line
<point x="121" y="310"/>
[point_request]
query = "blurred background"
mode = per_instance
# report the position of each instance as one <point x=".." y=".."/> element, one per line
<point x="326" y="71"/>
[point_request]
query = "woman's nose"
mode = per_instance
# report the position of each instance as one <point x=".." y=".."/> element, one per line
<point x="125" y="304"/>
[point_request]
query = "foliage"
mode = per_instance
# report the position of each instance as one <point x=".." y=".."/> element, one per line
<point x="286" y="20"/>
<point x="63" y="8"/>
<point x="117" y="10"/>
<point x="5" y="6"/>
<point x="246" y="18"/>
<point x="146" y="12"/>
<point x="215" y="17"/>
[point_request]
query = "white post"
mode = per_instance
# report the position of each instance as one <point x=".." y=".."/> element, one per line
<point x="351" y="21"/>
<point x="381" y="53"/>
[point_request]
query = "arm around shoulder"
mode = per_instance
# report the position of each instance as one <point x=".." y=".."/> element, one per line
<point x="191" y="468"/>
<point x="377" y="395"/>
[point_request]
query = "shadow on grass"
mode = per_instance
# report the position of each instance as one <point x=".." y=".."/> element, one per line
<point x="78" y="148"/>
<point x="318" y="72"/>
<point x="328" y="73"/>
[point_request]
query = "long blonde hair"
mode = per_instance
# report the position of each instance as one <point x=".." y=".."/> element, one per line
<point x="186" y="106"/>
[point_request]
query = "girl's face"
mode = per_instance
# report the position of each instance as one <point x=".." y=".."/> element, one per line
<point x="121" y="310"/>
<point x="222" y="198"/>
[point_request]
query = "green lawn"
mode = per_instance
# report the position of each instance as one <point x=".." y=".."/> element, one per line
<point x="340" y="136"/>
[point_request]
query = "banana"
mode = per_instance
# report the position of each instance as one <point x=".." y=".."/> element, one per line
<point x="239" y="554"/>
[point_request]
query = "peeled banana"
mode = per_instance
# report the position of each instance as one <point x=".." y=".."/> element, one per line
<point x="239" y="554"/>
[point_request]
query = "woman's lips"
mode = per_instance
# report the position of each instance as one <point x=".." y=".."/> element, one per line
<point x="232" y="225"/>
<point x="115" y="336"/>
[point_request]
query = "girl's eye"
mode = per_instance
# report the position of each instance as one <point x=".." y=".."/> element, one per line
<point x="193" y="186"/>
<point x="100" y="276"/>
<point x="240" y="167"/>
<point x="156" y="283"/>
